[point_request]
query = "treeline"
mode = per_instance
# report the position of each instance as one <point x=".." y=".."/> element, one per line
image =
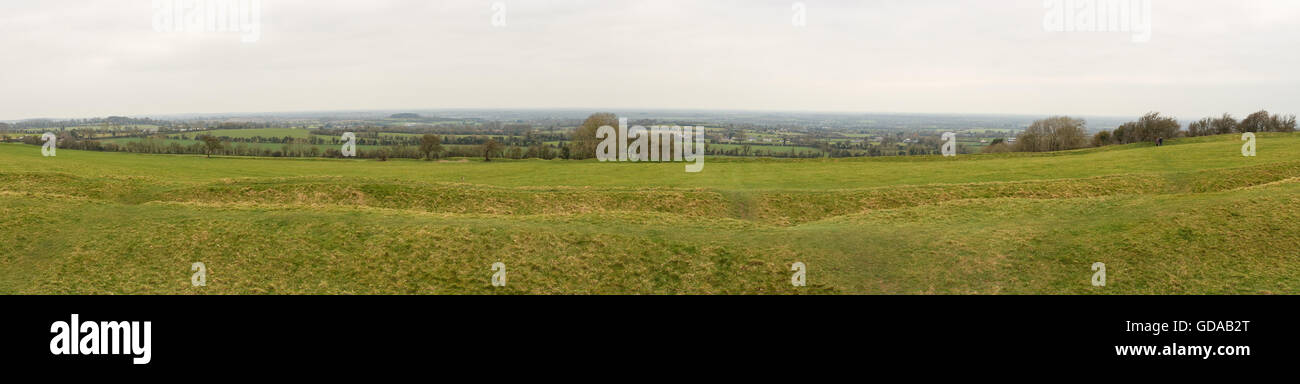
<point x="379" y="138"/>
<point x="1056" y="133"/>
<point x="1152" y="127"/>
<point x="1061" y="133"/>
<point x="584" y="142"/>
<point x="1256" y="122"/>
<point x="492" y="128"/>
<point x="106" y="121"/>
<point x="760" y="151"/>
<point x="299" y="147"/>
<point x="375" y="136"/>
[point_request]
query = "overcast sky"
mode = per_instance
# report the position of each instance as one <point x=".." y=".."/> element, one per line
<point x="85" y="58"/>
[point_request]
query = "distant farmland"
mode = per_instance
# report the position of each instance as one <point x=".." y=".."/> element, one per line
<point x="298" y="133"/>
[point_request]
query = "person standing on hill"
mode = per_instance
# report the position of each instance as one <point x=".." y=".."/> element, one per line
<point x="1160" y="141"/>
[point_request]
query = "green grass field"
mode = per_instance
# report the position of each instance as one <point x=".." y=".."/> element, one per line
<point x="251" y="133"/>
<point x="261" y="146"/>
<point x="1193" y="217"/>
<point x="786" y="149"/>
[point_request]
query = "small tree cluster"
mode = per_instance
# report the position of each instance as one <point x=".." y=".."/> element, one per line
<point x="1262" y="122"/>
<point x="1257" y="122"/>
<point x="1148" y="128"/>
<point x="584" y="141"/>
<point x="1058" y="133"/>
<point x="1213" y="126"/>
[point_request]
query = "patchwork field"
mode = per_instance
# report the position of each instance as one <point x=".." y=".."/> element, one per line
<point x="1191" y="217"/>
<point x="251" y="133"/>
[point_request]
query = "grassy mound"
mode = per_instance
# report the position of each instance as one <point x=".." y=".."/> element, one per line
<point x="1191" y="217"/>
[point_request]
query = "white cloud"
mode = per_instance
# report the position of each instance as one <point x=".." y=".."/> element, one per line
<point x="74" y="58"/>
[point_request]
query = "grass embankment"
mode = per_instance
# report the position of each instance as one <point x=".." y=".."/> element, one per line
<point x="1192" y="217"/>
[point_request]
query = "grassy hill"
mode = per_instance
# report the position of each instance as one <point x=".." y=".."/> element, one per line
<point x="1191" y="217"/>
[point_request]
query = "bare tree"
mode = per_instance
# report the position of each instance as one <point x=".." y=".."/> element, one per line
<point x="1225" y="125"/>
<point x="210" y="144"/>
<point x="1201" y="127"/>
<point x="491" y="147"/>
<point x="1283" y="123"/>
<point x="1256" y="122"/>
